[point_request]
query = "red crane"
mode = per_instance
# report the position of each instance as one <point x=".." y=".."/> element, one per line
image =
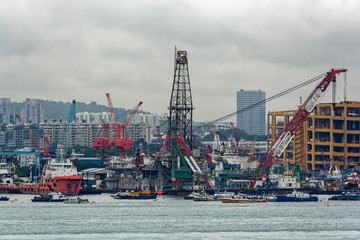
<point x="120" y="137"/>
<point x="160" y="139"/>
<point x="103" y="138"/>
<point x="274" y="152"/>
<point x="46" y="145"/>
<point x="29" y="134"/>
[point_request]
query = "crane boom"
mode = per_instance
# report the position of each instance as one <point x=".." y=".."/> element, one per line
<point x="115" y="124"/>
<point x="275" y="151"/>
<point x="131" y="115"/>
<point x="29" y="134"/>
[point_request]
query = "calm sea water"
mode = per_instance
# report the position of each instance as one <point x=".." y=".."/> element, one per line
<point x="176" y="218"/>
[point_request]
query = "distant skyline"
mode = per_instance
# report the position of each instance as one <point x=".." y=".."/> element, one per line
<point x="62" y="50"/>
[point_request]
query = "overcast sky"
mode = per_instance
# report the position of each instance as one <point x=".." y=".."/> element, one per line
<point x="64" y="49"/>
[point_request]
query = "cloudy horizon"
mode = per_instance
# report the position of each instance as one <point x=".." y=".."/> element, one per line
<point x="62" y="50"/>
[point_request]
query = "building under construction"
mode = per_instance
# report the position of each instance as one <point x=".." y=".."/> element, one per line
<point x="329" y="137"/>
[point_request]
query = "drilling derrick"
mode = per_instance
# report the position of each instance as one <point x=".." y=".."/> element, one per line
<point x="181" y="106"/>
<point x="184" y="167"/>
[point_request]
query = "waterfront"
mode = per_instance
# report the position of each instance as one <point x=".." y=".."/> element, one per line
<point x="174" y="218"/>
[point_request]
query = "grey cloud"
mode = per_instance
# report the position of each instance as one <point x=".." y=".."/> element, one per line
<point x="86" y="48"/>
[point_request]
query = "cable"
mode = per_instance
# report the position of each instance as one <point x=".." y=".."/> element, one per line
<point x="264" y="101"/>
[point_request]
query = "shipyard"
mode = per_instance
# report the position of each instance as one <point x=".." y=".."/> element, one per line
<point x="313" y="149"/>
<point x="179" y="119"/>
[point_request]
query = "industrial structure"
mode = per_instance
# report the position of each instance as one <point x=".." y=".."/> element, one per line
<point x="119" y="136"/>
<point x="329" y="136"/>
<point x="181" y="105"/>
<point x="276" y="148"/>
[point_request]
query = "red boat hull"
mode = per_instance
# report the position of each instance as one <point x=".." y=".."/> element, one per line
<point x="69" y="185"/>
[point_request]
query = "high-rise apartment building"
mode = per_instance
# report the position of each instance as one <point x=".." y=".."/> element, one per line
<point x="6" y="111"/>
<point x="32" y="113"/>
<point x="86" y="117"/>
<point x="252" y="120"/>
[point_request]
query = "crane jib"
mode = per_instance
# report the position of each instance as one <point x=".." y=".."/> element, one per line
<point x="314" y="100"/>
<point x="287" y="135"/>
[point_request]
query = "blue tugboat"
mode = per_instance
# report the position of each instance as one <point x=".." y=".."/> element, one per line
<point x="296" y="197"/>
<point x="348" y="196"/>
<point x="4" y="198"/>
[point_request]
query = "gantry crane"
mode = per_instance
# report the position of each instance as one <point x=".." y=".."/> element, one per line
<point x="277" y="148"/>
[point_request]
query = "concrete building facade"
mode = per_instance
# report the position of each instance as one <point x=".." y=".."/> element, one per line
<point x="83" y="134"/>
<point x="7" y="112"/>
<point x="252" y="120"/>
<point x="329" y="137"/>
<point x="32" y="112"/>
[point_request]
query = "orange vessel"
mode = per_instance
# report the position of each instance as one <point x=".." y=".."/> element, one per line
<point x="68" y="185"/>
<point x="59" y="175"/>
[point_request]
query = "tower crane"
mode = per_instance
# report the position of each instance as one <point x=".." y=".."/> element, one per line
<point x="277" y="148"/>
<point x="69" y="123"/>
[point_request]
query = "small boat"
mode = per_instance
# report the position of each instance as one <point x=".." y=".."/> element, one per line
<point x="223" y="195"/>
<point x="204" y="197"/>
<point x="76" y="200"/>
<point x="41" y="198"/>
<point x="348" y="196"/>
<point x="4" y="198"/>
<point x="296" y="196"/>
<point x="191" y="195"/>
<point x="57" y="197"/>
<point x="271" y="198"/>
<point x="135" y="195"/>
<point x="243" y="198"/>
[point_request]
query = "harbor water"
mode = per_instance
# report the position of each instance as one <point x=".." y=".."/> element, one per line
<point x="172" y="217"/>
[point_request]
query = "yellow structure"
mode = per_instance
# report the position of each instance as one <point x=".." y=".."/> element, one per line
<point x="330" y="136"/>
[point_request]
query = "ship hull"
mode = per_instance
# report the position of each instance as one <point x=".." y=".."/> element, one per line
<point x="296" y="199"/>
<point x="68" y="185"/>
<point x="244" y="200"/>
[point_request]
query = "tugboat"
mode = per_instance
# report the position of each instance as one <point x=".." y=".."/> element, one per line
<point x="348" y="196"/>
<point x="243" y="198"/>
<point x="135" y="195"/>
<point x="41" y="198"/>
<point x="4" y="198"/>
<point x="51" y="197"/>
<point x="59" y="175"/>
<point x="296" y="196"/>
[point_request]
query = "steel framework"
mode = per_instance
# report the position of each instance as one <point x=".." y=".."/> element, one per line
<point x="181" y="106"/>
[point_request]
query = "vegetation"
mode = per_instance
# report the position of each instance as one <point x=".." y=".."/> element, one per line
<point x="81" y="166"/>
<point x="23" y="171"/>
<point x="60" y="110"/>
<point x="240" y="134"/>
